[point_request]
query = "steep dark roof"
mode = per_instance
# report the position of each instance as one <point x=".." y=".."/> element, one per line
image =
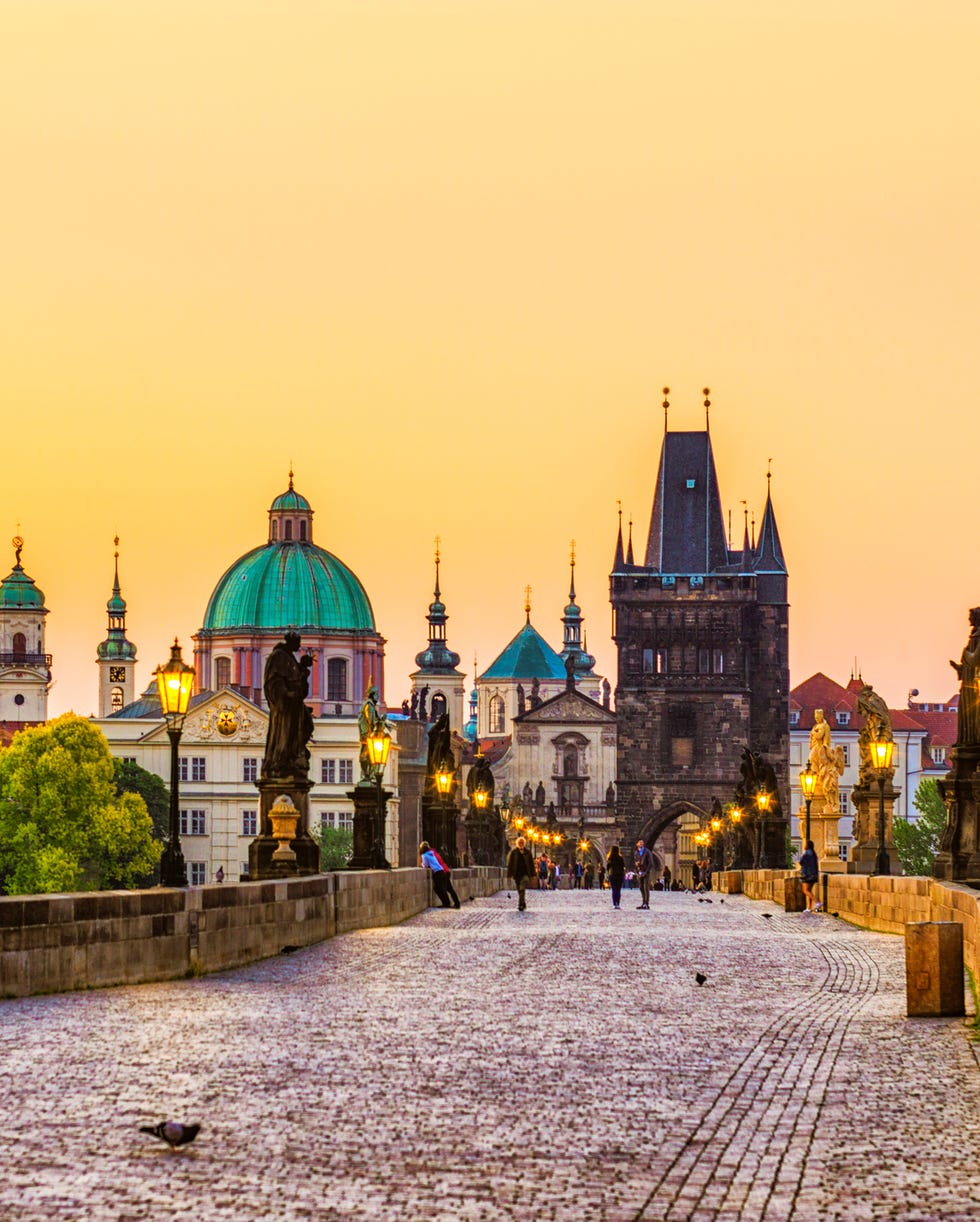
<point x="687" y="528"/>
<point x="769" y="553"/>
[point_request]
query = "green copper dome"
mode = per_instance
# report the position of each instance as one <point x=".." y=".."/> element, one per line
<point x="289" y="584"/>
<point x="19" y="590"/>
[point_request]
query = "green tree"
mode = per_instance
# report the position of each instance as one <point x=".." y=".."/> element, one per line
<point x="336" y="846"/>
<point x="131" y="778"/>
<point x="918" y="843"/>
<point x="62" y="825"/>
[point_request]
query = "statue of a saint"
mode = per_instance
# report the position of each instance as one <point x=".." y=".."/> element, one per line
<point x="286" y="685"/>
<point x="369" y="721"/>
<point x="827" y="762"/>
<point x="480" y="776"/>
<point x="535" y="693"/>
<point x="968" y="671"/>
<point x="877" y="728"/>
<point x="521" y="700"/>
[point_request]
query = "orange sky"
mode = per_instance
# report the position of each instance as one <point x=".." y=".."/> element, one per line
<point x="443" y="256"/>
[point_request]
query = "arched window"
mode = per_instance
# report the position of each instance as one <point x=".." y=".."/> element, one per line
<point x="287" y="528"/>
<point x="569" y="761"/>
<point x="116" y="699"/>
<point x="302" y="530"/>
<point x="336" y="678"/>
<point x="275" y="529"/>
<point x="20" y="644"/>
<point x="222" y="672"/>
<point x="496" y="714"/>
<point x="437" y="707"/>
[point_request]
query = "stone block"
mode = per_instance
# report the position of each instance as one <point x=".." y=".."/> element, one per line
<point x="793" y="898"/>
<point x="934" y="969"/>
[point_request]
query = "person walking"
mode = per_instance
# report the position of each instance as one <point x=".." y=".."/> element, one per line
<point x="615" y="872"/>
<point x="643" y="863"/>
<point x="520" y="867"/>
<point x="442" y="883"/>
<point x="667" y="877"/>
<point x="810" y="876"/>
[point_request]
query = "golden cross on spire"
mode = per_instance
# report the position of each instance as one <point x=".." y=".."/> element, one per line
<point x="116" y="542"/>
<point x="527" y="602"/>
<point x="438" y="541"/>
<point x="573" y="553"/>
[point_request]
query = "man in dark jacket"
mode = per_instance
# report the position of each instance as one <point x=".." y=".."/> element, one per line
<point x="520" y="867"/>
<point x="643" y="864"/>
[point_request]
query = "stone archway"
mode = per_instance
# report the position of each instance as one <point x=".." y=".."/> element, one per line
<point x="670" y="835"/>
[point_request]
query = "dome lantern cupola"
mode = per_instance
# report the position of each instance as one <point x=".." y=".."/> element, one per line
<point x="25" y="669"/>
<point x="438" y="657"/>
<point x="290" y="517"/>
<point x="572" y="638"/>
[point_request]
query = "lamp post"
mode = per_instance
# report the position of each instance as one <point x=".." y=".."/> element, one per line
<point x="762" y="801"/>
<point x="480" y="797"/>
<point x="808" y="783"/>
<point x="378" y="745"/>
<point x="734" y="823"/>
<point x="444" y="787"/>
<point x="174" y="686"/>
<point x="881" y="754"/>
<point x="717" y="863"/>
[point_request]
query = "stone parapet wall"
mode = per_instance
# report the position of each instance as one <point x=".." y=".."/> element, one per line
<point x="56" y="943"/>
<point x="884" y="903"/>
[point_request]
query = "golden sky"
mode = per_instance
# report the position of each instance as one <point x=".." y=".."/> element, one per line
<point x="443" y="256"/>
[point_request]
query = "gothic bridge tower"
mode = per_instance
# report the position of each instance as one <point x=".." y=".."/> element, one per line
<point x="702" y="638"/>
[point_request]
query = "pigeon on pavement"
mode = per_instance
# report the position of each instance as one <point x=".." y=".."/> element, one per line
<point x="767" y="916"/>
<point x="172" y="1132"/>
<point x="700" y="977"/>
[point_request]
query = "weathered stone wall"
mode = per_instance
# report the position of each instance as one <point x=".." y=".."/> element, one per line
<point x="885" y="903"/>
<point x="55" y="943"/>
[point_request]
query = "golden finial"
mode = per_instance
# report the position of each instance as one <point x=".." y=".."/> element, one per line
<point x="18" y="544"/>
<point x="707" y="405"/>
<point x="290" y="475"/>
<point x="769" y="474"/>
<point x="116" y="543"/>
<point x="527" y="602"/>
<point x="666" y="404"/>
<point x="573" y="553"/>
<point x="438" y="542"/>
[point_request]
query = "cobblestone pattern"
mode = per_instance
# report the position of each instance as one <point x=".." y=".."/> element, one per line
<point x="486" y="1065"/>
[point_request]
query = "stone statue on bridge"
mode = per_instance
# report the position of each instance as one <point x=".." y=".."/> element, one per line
<point x="286" y="685"/>
<point x="968" y="672"/>
<point x="877" y="728"/>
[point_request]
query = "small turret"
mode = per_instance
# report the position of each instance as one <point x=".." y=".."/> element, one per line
<point x="116" y="656"/>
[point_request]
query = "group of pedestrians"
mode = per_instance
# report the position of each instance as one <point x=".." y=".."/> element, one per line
<point x="522" y="870"/>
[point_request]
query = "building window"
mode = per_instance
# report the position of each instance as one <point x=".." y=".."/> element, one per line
<point x="938" y="755"/>
<point x="287" y="529"/>
<point x="844" y="800"/>
<point x="337" y="679"/>
<point x="20" y="644"/>
<point x="346" y="772"/>
<point x="250" y="823"/>
<point x="794" y="717"/>
<point x="243" y="874"/>
<point x="275" y="529"/>
<point x="250" y="769"/>
<point x="496" y="715"/>
<point x="193" y="769"/>
<point x="129" y="759"/>
<point x="681" y="727"/>
<point x="222" y="672"/>
<point x="843" y="718"/>
<point x="704" y="661"/>
<point x="569" y="762"/>
<point x="661" y="661"/>
<point x="328" y="772"/>
<point x="198" y="871"/>
<point x="842" y="849"/>
<point x="846" y="747"/>
<point x="116" y="698"/>
<point x="648" y="661"/>
<point x="302" y="530"/>
<point x="717" y="662"/>
<point x="193" y="823"/>
<point x="437" y="707"/>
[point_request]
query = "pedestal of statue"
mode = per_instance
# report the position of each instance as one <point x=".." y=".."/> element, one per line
<point x="439" y="828"/>
<point x="824" y="832"/>
<point x="370" y="812"/>
<point x="867" y="803"/>
<point x="958" y="858"/>
<point x="262" y="848"/>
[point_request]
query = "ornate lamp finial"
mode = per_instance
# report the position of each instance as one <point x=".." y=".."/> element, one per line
<point x="707" y="405"/>
<point x="666" y="405"/>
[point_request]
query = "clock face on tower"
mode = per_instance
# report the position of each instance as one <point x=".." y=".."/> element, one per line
<point x="117" y="674"/>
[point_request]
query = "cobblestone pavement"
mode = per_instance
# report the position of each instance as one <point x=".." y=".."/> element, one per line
<point x="485" y="1064"/>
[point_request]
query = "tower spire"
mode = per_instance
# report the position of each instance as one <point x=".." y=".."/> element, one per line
<point x="629" y="546"/>
<point x="666" y="405"/>
<point x="618" y="560"/>
<point x="707" y="409"/>
<point x="438" y="541"/>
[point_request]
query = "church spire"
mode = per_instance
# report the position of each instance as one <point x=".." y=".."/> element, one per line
<point x="769" y="554"/>
<point x="438" y="658"/>
<point x="629" y="546"/>
<point x="116" y="655"/>
<point x="618" y="559"/>
<point x="572" y="622"/>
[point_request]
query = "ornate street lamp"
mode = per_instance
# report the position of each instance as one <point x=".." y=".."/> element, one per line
<point x="717" y="863"/>
<point x="881" y="757"/>
<point x="734" y="823"/>
<point x="378" y="746"/>
<point x="808" y="783"/>
<point x="762" y="801"/>
<point x="174" y="683"/>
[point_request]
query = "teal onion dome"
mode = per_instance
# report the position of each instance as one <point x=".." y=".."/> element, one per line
<point x="289" y="584"/>
<point x="116" y="647"/>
